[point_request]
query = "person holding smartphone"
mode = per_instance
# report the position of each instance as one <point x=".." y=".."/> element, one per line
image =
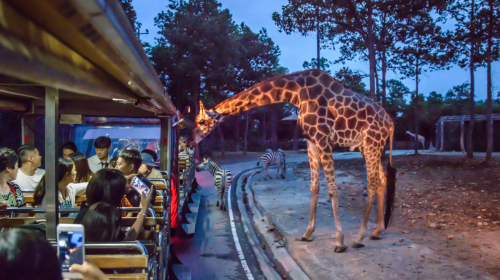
<point x="129" y="162"/>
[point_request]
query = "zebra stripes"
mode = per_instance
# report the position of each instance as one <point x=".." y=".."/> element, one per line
<point x="273" y="158"/>
<point x="222" y="180"/>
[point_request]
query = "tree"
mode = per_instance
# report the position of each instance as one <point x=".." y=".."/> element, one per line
<point x="467" y="47"/>
<point x="352" y="79"/>
<point x="324" y="65"/>
<point x="303" y="17"/>
<point x="131" y="14"/>
<point x="490" y="17"/>
<point x="419" y="48"/>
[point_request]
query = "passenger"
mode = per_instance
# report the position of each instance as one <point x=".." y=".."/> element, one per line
<point x="29" y="174"/>
<point x="83" y="173"/>
<point x="148" y="165"/>
<point x="108" y="186"/>
<point x="129" y="162"/>
<point x="112" y="162"/>
<point x="26" y="254"/>
<point x="10" y="193"/>
<point x="102" y="223"/>
<point x="67" y="188"/>
<point x="69" y="148"/>
<point x="101" y="159"/>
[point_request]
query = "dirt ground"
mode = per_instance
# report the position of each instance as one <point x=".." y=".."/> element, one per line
<point x="442" y="202"/>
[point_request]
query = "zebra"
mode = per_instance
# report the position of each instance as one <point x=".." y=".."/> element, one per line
<point x="273" y="158"/>
<point x="222" y="179"/>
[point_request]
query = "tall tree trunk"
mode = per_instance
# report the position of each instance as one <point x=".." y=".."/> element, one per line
<point x="237" y="133"/>
<point x="489" y="101"/>
<point x="245" y="143"/>
<point x="416" y="110"/>
<point x="371" y="49"/>
<point x="379" y="98"/>
<point x="384" y="84"/>
<point x="470" y="153"/>
<point x="221" y="135"/>
<point x="318" y="56"/>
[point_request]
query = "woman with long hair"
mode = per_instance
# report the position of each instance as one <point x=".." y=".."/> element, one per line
<point x="83" y="172"/>
<point x="67" y="188"/>
<point x="108" y="185"/>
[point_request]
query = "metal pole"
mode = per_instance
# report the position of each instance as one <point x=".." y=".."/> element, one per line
<point x="170" y="142"/>
<point x="51" y="129"/>
<point x="164" y="144"/>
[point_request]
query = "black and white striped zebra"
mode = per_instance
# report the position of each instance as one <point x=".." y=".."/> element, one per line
<point x="273" y="158"/>
<point x="222" y="180"/>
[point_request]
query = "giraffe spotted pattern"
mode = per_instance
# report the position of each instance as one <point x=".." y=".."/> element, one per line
<point x="330" y="115"/>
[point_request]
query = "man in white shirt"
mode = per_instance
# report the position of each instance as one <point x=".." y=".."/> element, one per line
<point x="29" y="175"/>
<point x="101" y="159"/>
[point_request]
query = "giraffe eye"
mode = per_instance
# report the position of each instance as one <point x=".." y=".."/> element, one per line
<point x="202" y="122"/>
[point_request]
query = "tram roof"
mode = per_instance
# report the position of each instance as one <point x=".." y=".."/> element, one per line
<point x="87" y="49"/>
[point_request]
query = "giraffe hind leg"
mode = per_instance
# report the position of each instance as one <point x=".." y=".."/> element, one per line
<point x="314" y="162"/>
<point x="380" y="205"/>
<point x="372" y="157"/>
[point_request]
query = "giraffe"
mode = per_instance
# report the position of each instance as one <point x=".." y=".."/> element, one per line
<point x="421" y="139"/>
<point x="329" y="115"/>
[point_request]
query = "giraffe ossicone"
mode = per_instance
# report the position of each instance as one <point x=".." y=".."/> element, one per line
<point x="329" y="115"/>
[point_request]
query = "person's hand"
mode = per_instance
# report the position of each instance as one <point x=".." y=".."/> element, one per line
<point x="88" y="270"/>
<point x="4" y="205"/>
<point x="145" y="200"/>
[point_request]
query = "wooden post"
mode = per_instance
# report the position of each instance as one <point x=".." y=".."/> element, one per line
<point x="51" y="192"/>
<point x="462" y="148"/>
<point x="442" y="137"/>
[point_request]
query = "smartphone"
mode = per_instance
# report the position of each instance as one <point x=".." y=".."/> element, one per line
<point x="140" y="186"/>
<point x="70" y="248"/>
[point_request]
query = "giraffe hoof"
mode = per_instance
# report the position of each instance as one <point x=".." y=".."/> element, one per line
<point x="373" y="237"/>
<point x="305" y="239"/>
<point x="357" y="245"/>
<point x="340" y="249"/>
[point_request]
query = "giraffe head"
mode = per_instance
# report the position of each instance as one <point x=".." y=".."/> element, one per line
<point x="205" y="122"/>
<point x="204" y="165"/>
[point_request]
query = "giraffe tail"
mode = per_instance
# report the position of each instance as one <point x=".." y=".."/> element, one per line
<point x="391" y="185"/>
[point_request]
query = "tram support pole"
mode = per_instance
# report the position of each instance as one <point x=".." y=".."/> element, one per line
<point x="51" y="129"/>
<point x="165" y="143"/>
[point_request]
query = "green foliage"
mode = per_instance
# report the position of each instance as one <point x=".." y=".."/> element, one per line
<point x="131" y="14"/>
<point x="352" y="79"/>
<point x="324" y="64"/>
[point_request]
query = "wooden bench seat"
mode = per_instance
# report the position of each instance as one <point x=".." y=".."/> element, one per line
<point x="121" y="262"/>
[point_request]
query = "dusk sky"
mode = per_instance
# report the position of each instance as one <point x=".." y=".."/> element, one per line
<point x="295" y="49"/>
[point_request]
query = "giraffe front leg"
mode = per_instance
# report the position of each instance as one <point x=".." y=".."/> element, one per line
<point x="314" y="162"/>
<point x="380" y="205"/>
<point x="372" y="170"/>
<point x="328" y="167"/>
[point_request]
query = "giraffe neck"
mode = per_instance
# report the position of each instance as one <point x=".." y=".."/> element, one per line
<point x="282" y="89"/>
